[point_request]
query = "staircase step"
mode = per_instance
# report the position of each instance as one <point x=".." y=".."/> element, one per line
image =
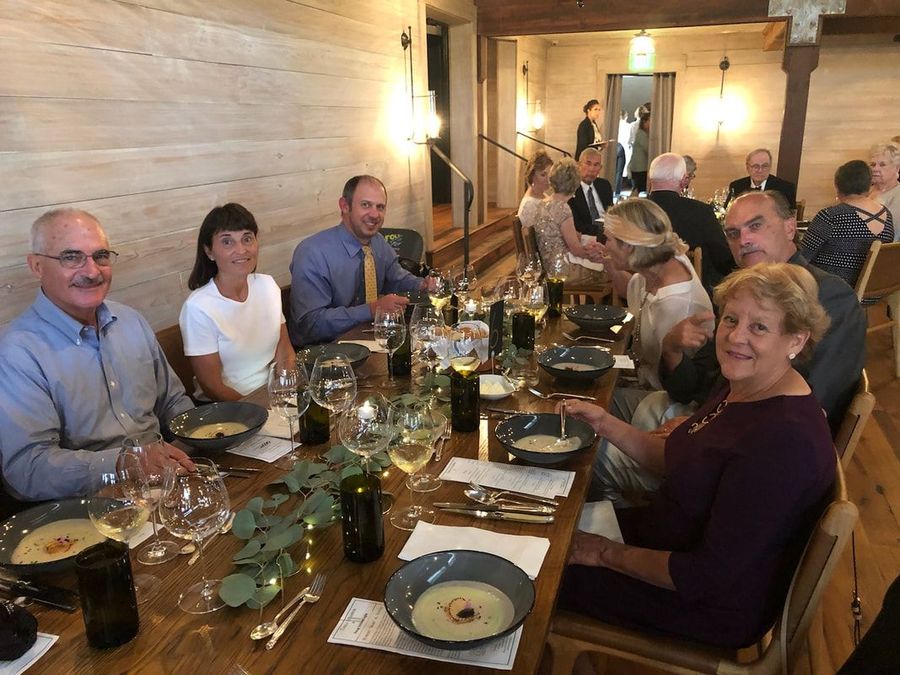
<point x="451" y="251"/>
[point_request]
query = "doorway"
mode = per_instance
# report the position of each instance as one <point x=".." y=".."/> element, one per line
<point x="439" y="82"/>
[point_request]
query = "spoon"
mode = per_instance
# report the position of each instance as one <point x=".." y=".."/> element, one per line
<point x="267" y="628"/>
<point x="488" y="500"/>
<point x="562" y="421"/>
<point x="480" y="494"/>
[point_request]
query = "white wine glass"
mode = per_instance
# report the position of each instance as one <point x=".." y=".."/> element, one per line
<point x="535" y="300"/>
<point x="118" y="508"/>
<point x="194" y="506"/>
<point x="410" y="450"/>
<point x="424" y="326"/>
<point x="464" y="282"/>
<point x="390" y="332"/>
<point x="136" y="459"/>
<point x="289" y="397"/>
<point x="440" y="289"/>
<point x="436" y="423"/>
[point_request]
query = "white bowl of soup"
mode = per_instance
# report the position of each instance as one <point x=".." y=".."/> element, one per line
<point x="215" y="427"/>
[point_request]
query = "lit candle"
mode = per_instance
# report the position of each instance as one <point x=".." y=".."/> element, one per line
<point x="366" y="411"/>
<point x="471" y="306"/>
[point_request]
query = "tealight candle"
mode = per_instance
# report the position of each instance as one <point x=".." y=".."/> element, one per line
<point x="471" y="307"/>
<point x="366" y="411"/>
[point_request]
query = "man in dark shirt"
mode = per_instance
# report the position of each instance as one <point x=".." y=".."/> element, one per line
<point x="593" y="196"/>
<point x="759" y="166"/>
<point x="692" y="220"/>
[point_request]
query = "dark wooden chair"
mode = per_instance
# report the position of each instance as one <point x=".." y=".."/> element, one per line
<point x="173" y="347"/>
<point x="879" y="281"/>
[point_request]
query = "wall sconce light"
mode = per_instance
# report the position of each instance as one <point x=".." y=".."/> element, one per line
<point x="535" y="120"/>
<point x="641" y="52"/>
<point x="424" y="121"/>
<point x="722" y="112"/>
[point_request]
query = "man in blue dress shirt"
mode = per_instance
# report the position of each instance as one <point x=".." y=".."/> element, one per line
<point x="78" y="373"/>
<point x="329" y="289"/>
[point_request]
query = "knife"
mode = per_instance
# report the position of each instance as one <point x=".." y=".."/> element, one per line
<point x="53" y="596"/>
<point x="236" y="469"/>
<point x="507" y="412"/>
<point x="513" y="508"/>
<point x="502" y="515"/>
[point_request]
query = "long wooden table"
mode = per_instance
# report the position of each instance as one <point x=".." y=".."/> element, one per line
<point x="171" y="641"/>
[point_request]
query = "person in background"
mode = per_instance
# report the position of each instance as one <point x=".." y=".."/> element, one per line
<point x="78" y="373"/>
<point x="537" y="180"/>
<point x="340" y="276"/>
<point x="228" y="296"/>
<point x="743" y="481"/>
<point x="625" y="142"/>
<point x="884" y="161"/>
<point x="640" y="152"/>
<point x="759" y="168"/>
<point x="555" y="227"/>
<point x="692" y="220"/>
<point x="839" y="237"/>
<point x="593" y="196"/>
<point x="589" y="134"/>
<point x="690" y="167"/>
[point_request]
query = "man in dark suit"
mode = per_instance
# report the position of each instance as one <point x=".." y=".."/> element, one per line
<point x="593" y="196"/>
<point x="759" y="164"/>
<point x="692" y="220"/>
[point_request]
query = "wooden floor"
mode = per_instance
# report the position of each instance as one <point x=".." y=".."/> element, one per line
<point x="442" y="219"/>
<point x="873" y="482"/>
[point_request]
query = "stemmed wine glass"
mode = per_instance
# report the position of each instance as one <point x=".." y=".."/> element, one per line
<point x="424" y="326"/>
<point x="437" y="424"/>
<point x="289" y="396"/>
<point x="410" y="451"/>
<point x="363" y="428"/>
<point x="440" y="289"/>
<point x="194" y="505"/>
<point x="390" y="332"/>
<point x="118" y="508"/>
<point x="332" y="383"/>
<point x="528" y="267"/>
<point x="464" y="280"/>
<point x="134" y="465"/>
<point x="535" y="300"/>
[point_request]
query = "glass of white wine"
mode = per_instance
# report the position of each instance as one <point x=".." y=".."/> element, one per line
<point x="535" y="300"/>
<point x="135" y="462"/>
<point x="410" y="450"/>
<point x="118" y="507"/>
<point x="194" y="505"/>
<point x="390" y="332"/>
<point x="364" y="429"/>
<point x="440" y="289"/>
<point x="289" y="397"/>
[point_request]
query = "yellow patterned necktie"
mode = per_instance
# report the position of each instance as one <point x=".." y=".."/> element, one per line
<point x="370" y="277"/>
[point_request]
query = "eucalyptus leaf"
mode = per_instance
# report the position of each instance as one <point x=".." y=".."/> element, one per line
<point x="284" y="539"/>
<point x="315" y="501"/>
<point x="277" y="500"/>
<point x="442" y="380"/>
<point x="286" y="564"/>
<point x="351" y="470"/>
<point x="244" y="524"/>
<point x="268" y="521"/>
<point x="236" y="589"/>
<point x="251" y="549"/>
<point x="338" y="454"/>
<point x="255" y="505"/>
<point x="263" y="596"/>
<point x="291" y="482"/>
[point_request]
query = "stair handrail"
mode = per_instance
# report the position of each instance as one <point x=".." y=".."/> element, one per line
<point x="468" y="197"/>
<point x="502" y="147"/>
<point x="549" y="145"/>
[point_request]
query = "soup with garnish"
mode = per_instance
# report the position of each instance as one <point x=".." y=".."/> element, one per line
<point x="462" y="610"/>
<point x="575" y="366"/>
<point x="548" y="443"/>
<point x="55" y="541"/>
<point x="218" y="430"/>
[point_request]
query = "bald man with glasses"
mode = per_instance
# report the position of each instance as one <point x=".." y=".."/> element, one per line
<point x="78" y="373"/>
<point x="761" y="178"/>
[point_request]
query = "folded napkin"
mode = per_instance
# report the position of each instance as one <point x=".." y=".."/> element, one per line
<point x="372" y="345"/>
<point x="600" y="518"/>
<point x="28" y="659"/>
<point x="525" y="552"/>
<point x="623" y="361"/>
<point x="275" y="426"/>
<point x="584" y="262"/>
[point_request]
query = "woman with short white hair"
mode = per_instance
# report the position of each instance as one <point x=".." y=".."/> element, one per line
<point x="884" y="161"/>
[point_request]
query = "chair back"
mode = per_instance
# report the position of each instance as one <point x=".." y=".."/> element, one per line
<point x="517" y="235"/>
<point x="696" y="256"/>
<point x="854" y="421"/>
<point x="173" y="347"/>
<point x="880" y="273"/>
<point x="799" y="209"/>
<point x="406" y="242"/>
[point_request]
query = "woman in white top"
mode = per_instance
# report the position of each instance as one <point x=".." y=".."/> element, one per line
<point x="884" y="160"/>
<point x="232" y="324"/>
<point x="537" y="178"/>
<point x="646" y="262"/>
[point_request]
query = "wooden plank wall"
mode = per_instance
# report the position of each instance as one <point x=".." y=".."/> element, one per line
<point x="150" y="112"/>
<point x="850" y="107"/>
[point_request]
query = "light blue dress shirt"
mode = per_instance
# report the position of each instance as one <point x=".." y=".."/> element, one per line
<point x="327" y="291"/>
<point x="71" y="394"/>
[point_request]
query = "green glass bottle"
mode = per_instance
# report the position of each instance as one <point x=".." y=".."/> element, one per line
<point x="401" y="361"/>
<point x="361" y="520"/>
<point x="314" y="425"/>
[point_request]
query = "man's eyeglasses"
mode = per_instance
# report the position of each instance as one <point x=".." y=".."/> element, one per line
<point x="759" y="167"/>
<point x="74" y="260"/>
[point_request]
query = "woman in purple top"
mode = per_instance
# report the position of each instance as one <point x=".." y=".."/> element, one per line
<point x="711" y="557"/>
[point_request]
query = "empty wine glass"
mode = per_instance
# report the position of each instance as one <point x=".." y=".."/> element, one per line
<point x="194" y="505"/>
<point x="528" y="267"/>
<point x="118" y="508"/>
<point x="289" y="397"/>
<point x="136" y="461"/>
<point x="410" y="451"/>
<point x="363" y="427"/>
<point x="332" y="383"/>
<point x="424" y="324"/>
<point x="436" y="423"/>
<point x="464" y="281"/>
<point x="390" y="332"/>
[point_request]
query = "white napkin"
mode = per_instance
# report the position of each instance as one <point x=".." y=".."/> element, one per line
<point x="141" y="535"/>
<point x="24" y="662"/>
<point x="266" y="448"/>
<point x="584" y="262"/>
<point x="525" y="552"/>
<point x="372" y="345"/>
<point x="275" y="426"/>
<point x="623" y="361"/>
<point x="600" y="518"/>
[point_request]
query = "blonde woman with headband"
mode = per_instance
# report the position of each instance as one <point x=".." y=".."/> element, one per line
<point x="645" y="260"/>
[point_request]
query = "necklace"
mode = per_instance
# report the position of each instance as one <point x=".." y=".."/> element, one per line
<point x="636" y="335"/>
<point x="697" y="426"/>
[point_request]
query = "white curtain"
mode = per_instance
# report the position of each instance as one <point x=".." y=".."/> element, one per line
<point x="611" y="125"/>
<point x="662" y="103"/>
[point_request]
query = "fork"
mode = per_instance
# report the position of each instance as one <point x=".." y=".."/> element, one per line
<point x="310" y="597"/>
<point x="557" y="394"/>
<point x="586" y="337"/>
<point x="439" y="450"/>
<point x="497" y="494"/>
